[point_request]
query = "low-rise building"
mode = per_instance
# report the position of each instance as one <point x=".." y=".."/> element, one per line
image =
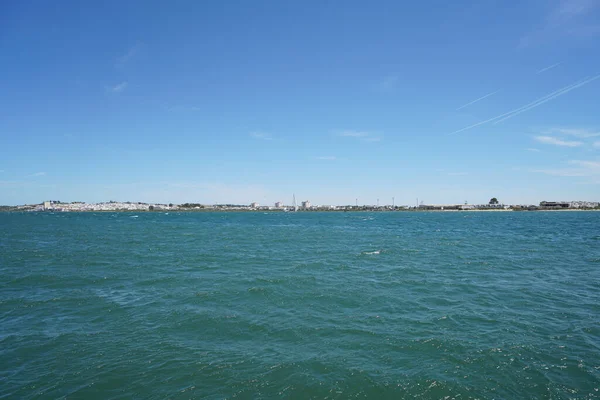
<point x="584" y="204"/>
<point x="555" y="204"/>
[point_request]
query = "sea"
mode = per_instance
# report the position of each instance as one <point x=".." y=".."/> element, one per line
<point x="306" y="305"/>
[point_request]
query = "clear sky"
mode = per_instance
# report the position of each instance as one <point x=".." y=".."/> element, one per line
<point x="241" y="101"/>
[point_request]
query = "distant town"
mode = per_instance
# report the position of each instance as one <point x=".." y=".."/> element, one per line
<point x="305" y="206"/>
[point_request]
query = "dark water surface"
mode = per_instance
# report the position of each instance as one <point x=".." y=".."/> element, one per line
<point x="300" y="305"/>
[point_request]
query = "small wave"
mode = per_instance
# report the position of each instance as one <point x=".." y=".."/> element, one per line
<point x="371" y="252"/>
<point x="269" y="280"/>
<point x="204" y="294"/>
<point x="133" y="216"/>
<point x="255" y="289"/>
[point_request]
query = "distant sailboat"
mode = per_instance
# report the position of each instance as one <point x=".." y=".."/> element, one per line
<point x="295" y="205"/>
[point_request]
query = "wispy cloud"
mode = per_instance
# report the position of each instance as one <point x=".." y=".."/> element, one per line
<point x="557" y="142"/>
<point x="568" y="172"/>
<point x="38" y="174"/>
<point x="536" y="103"/>
<point x="261" y="135"/>
<point x="581" y="133"/>
<point x="123" y="59"/>
<point x="579" y="168"/>
<point x="360" y="135"/>
<point x="571" y="8"/>
<point x="476" y="100"/>
<point x="533" y="150"/>
<point x="327" y="158"/>
<point x="592" y="165"/>
<point x="387" y="84"/>
<point x="354" y="134"/>
<point x="548" y="68"/>
<point x="549" y="137"/>
<point x="566" y="18"/>
<point x="118" y="88"/>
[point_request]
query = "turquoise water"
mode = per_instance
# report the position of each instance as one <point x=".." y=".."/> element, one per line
<point x="300" y="305"/>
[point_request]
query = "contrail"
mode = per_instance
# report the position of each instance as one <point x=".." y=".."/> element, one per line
<point x="493" y="93"/>
<point x="528" y="106"/>
<point x="539" y="103"/>
<point x="547" y="68"/>
<point x="540" y="99"/>
<point x="475" y="101"/>
<point x="502" y="115"/>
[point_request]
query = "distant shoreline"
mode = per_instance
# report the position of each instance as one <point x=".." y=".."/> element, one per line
<point x="225" y="210"/>
<point x="118" y="206"/>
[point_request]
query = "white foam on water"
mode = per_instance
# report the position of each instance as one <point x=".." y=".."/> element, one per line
<point x="372" y="252"/>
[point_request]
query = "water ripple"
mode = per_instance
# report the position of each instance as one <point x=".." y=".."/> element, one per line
<point x="299" y="305"/>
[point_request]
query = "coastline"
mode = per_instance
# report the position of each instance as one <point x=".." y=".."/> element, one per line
<point x="128" y="206"/>
<point x="228" y="210"/>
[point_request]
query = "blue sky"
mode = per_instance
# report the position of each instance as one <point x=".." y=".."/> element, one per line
<point x="244" y="101"/>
